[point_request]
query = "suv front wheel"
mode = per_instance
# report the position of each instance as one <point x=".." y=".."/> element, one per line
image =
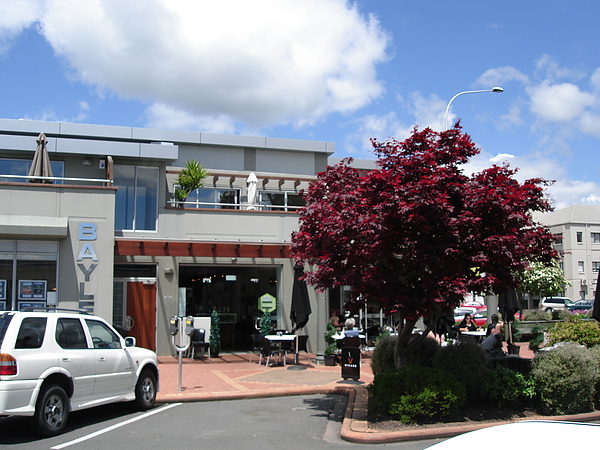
<point x="51" y="411"/>
<point x="145" y="390"/>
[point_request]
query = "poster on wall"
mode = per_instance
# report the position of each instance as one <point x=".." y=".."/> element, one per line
<point x="23" y="305"/>
<point x="32" y="289"/>
<point x="2" y="289"/>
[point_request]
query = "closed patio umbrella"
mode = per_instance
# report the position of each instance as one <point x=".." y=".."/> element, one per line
<point x="509" y="305"/>
<point x="40" y="166"/>
<point x="300" y="309"/>
<point x="252" y="183"/>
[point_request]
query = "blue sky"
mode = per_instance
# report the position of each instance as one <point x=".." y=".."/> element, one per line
<point x="322" y="69"/>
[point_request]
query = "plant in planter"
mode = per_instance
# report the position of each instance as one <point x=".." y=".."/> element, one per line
<point x="330" y="357"/>
<point x="265" y="323"/>
<point x="215" y="334"/>
<point x="190" y="178"/>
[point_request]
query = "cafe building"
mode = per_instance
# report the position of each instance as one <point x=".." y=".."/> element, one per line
<point x="104" y="231"/>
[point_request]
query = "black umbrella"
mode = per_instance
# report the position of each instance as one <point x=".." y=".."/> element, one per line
<point x="596" y="310"/>
<point x="300" y="309"/>
<point x="40" y="166"/>
<point x="509" y="305"/>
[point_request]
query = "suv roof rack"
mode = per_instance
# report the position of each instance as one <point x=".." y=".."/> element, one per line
<point x="54" y="309"/>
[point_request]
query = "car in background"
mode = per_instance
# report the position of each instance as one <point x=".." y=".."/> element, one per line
<point x="468" y="307"/>
<point x="54" y="361"/>
<point x="547" y="434"/>
<point x="550" y="304"/>
<point x="479" y="317"/>
<point x="581" y="305"/>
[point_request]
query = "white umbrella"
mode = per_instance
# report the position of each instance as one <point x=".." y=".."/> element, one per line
<point x="252" y="183"/>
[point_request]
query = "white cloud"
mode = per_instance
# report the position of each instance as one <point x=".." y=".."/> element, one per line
<point x="162" y="116"/>
<point x="258" y="63"/>
<point x="559" y="102"/>
<point x="499" y="76"/>
<point x="14" y="17"/>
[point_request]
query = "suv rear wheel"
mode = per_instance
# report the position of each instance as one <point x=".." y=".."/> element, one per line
<point x="51" y="411"/>
<point x="145" y="390"/>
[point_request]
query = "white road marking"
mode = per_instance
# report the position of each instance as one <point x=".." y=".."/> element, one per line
<point x="113" y="427"/>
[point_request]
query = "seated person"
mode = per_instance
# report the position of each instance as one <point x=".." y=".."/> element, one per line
<point x="349" y="330"/>
<point x="494" y="321"/>
<point x="467" y="324"/>
<point x="493" y="343"/>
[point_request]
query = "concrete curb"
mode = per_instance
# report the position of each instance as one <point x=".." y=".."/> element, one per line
<point x="355" y="425"/>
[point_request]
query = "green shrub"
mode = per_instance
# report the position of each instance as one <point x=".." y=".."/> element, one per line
<point x="565" y="379"/>
<point x="467" y="362"/>
<point x="574" y="330"/>
<point x="536" y="315"/>
<point x="382" y="359"/>
<point x="422" y="353"/>
<point x="416" y="394"/>
<point x="506" y="387"/>
<point x="537" y="338"/>
<point x="561" y="314"/>
<point x="595" y="355"/>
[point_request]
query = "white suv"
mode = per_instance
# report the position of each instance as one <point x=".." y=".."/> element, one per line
<point x="550" y="304"/>
<point x="56" y="361"/>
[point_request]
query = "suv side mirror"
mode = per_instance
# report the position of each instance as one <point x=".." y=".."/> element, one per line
<point x="130" y="341"/>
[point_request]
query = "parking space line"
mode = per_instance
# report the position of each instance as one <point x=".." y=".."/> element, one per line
<point x="113" y="427"/>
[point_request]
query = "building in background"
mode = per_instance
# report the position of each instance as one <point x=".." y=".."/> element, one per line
<point x="577" y="228"/>
<point x="107" y="234"/>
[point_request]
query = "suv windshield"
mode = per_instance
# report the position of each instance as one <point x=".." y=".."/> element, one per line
<point x="4" y="321"/>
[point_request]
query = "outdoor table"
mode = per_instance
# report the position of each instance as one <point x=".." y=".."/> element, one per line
<point x="475" y="335"/>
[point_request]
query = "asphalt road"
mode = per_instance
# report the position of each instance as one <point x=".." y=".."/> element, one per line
<point x="274" y="423"/>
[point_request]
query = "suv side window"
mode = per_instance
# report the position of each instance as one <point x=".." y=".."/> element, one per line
<point x="102" y="336"/>
<point x="69" y="334"/>
<point x="31" y="333"/>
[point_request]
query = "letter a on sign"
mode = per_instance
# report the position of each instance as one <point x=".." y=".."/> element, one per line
<point x="87" y="252"/>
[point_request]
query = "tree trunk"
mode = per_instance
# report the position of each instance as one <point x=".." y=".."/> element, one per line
<point x="405" y="329"/>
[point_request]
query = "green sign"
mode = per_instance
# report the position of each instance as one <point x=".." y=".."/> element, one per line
<point x="267" y="302"/>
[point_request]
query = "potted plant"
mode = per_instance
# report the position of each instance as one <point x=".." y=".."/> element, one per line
<point x="329" y="355"/>
<point x="190" y="178"/>
<point x="215" y="334"/>
<point x="265" y="322"/>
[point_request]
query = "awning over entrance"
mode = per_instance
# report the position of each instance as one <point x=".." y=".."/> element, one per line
<point x="39" y="226"/>
<point x="156" y="247"/>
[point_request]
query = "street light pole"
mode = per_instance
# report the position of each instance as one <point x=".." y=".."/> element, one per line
<point x="495" y="89"/>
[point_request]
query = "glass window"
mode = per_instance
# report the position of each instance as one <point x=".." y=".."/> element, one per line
<point x="559" y="238"/>
<point x="137" y="198"/>
<point x="102" y="336"/>
<point x="595" y="266"/>
<point x="213" y="198"/>
<point x="581" y="266"/>
<point x="22" y="166"/>
<point x="579" y="237"/>
<point x="280" y="200"/>
<point x="31" y="333"/>
<point x="69" y="334"/>
<point x="595" y="238"/>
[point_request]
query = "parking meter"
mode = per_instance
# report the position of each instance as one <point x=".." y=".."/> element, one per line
<point x="189" y="325"/>
<point x="173" y="325"/>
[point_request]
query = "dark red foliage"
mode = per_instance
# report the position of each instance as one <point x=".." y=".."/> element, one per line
<point x="417" y="231"/>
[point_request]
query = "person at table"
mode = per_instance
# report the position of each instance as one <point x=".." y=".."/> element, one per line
<point x="335" y="320"/>
<point x="494" y="319"/>
<point x="467" y="324"/>
<point x="493" y="343"/>
<point x="349" y="330"/>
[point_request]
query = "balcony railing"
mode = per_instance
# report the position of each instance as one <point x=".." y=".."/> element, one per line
<point x="30" y="177"/>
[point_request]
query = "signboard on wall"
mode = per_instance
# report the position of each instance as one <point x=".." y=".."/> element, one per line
<point x="267" y="302"/>
<point x="32" y="289"/>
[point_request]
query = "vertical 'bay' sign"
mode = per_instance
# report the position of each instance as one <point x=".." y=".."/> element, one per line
<point x="87" y="261"/>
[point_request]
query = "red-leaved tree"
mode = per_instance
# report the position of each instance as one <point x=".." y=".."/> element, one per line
<point x="416" y="234"/>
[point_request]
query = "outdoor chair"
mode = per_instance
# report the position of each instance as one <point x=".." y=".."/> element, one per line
<point x="269" y="351"/>
<point x="302" y="346"/>
<point x="198" y="342"/>
<point x="257" y="345"/>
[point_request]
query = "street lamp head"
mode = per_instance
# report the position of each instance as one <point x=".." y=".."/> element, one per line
<point x="497" y="89"/>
